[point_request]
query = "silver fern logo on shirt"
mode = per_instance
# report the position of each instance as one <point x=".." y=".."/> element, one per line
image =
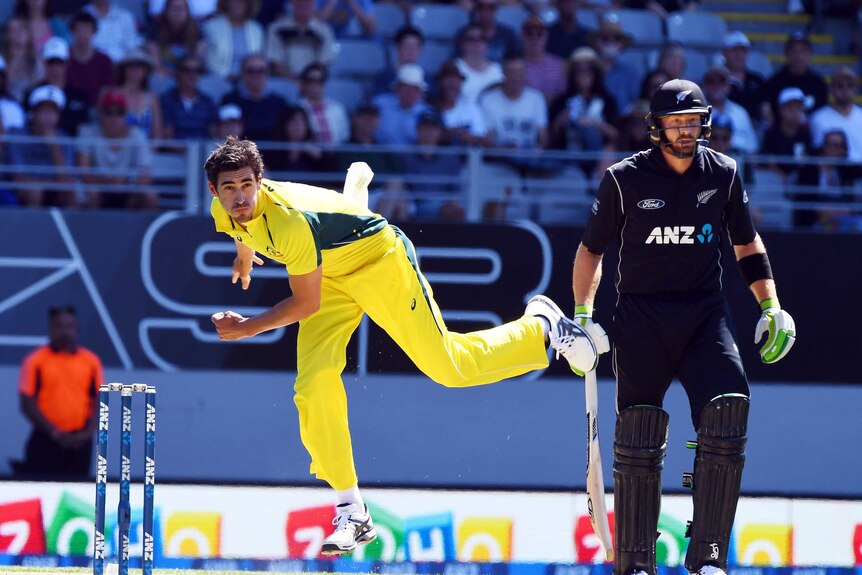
<point x="704" y="196"/>
<point x="650" y="204"/>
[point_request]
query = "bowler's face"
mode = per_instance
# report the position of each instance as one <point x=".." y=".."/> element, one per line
<point x="236" y="191"/>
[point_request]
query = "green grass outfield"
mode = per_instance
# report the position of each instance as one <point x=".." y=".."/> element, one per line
<point x="66" y="570"/>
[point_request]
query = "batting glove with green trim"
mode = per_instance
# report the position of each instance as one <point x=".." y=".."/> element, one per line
<point x="781" y="331"/>
<point x="584" y="318"/>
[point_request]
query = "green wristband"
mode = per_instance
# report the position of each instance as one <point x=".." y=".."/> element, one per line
<point x="766" y="304"/>
<point x="583" y="310"/>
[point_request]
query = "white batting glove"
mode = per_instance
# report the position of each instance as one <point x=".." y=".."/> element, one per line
<point x="781" y="329"/>
<point x="596" y="333"/>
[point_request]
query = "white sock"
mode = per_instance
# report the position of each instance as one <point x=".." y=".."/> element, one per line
<point x="351" y="495"/>
<point x="546" y="325"/>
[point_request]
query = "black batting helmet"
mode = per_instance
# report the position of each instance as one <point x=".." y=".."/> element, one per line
<point x="677" y="97"/>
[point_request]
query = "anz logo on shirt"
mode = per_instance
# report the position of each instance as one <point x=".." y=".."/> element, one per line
<point x="680" y="235"/>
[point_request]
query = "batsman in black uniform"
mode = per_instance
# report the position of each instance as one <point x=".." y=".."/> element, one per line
<point x="669" y="208"/>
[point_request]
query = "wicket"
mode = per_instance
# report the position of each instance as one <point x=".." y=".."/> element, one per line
<point x="124" y="512"/>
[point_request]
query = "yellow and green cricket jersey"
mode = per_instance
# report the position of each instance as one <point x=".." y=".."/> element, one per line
<point x="304" y="226"/>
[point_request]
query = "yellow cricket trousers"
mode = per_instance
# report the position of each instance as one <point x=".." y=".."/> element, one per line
<point x="395" y="295"/>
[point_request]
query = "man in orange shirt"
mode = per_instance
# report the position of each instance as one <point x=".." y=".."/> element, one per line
<point x="58" y="387"/>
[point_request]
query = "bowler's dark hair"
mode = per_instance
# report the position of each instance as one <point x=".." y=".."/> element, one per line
<point x="56" y="310"/>
<point x="233" y="154"/>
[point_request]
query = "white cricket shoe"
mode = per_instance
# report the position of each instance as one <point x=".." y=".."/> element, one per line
<point x="710" y="570"/>
<point x="353" y="527"/>
<point x="567" y="338"/>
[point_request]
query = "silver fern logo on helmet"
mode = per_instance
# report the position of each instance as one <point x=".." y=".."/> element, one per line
<point x="682" y="96"/>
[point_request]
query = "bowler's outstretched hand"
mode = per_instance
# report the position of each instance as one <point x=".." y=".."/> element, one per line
<point x="229" y="325"/>
<point x="242" y="268"/>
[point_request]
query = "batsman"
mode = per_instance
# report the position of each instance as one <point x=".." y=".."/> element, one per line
<point x="669" y="209"/>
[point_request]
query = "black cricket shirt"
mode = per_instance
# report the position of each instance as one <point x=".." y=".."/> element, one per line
<point x="669" y="226"/>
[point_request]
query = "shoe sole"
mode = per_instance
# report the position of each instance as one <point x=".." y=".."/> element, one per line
<point x="333" y="550"/>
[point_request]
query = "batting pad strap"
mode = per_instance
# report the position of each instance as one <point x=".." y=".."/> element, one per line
<point x="755" y="267"/>
<point x="720" y="457"/>
<point x="639" y="450"/>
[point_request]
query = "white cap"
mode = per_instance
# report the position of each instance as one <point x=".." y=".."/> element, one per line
<point x="55" y="49"/>
<point x="794" y="94"/>
<point x="736" y="38"/>
<point x="229" y="112"/>
<point x="412" y="75"/>
<point x="47" y="93"/>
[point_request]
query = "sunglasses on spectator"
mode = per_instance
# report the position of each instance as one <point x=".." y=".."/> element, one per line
<point x="482" y="6"/>
<point x="260" y="70"/>
<point x="190" y="70"/>
<point x="715" y="80"/>
<point x="611" y="38"/>
<point x="114" y="111"/>
<point x="534" y="33"/>
<point x="841" y="85"/>
<point x="473" y="38"/>
<point x="314" y="79"/>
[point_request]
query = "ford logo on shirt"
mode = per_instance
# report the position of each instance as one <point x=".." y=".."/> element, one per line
<point x="650" y="204"/>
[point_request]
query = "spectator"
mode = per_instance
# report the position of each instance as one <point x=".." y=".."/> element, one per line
<point x="500" y="40"/>
<point x="303" y="155"/>
<point x="55" y="58"/>
<point x="58" y="386"/>
<point x="39" y="16"/>
<point x="133" y="79"/>
<point x="479" y="72"/>
<point x="721" y="140"/>
<point x="796" y="73"/>
<point x="340" y="13"/>
<point x="622" y="78"/>
<point x="293" y="42"/>
<point x="116" y="157"/>
<point x="841" y="113"/>
<point x="671" y="60"/>
<point x="400" y="108"/>
<point x="47" y="161"/>
<point x="231" y="35"/>
<point x="228" y="122"/>
<point x="789" y="136"/>
<point x="584" y="117"/>
<point x="116" y="31"/>
<point x="716" y="88"/>
<point x="566" y="35"/>
<point x="188" y="113"/>
<point x="23" y="68"/>
<point x="746" y="85"/>
<point x="828" y="181"/>
<point x="545" y="72"/>
<point x="463" y="120"/>
<point x="633" y="134"/>
<point x="651" y="82"/>
<point x="89" y="69"/>
<point x="11" y="112"/>
<point x="364" y="125"/>
<point x="517" y="115"/>
<point x="408" y="50"/>
<point x="173" y="35"/>
<point x="428" y="199"/>
<point x="328" y="118"/>
<point x="258" y="104"/>
<point x="200" y="10"/>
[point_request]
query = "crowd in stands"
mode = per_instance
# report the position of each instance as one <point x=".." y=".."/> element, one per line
<point x="205" y="69"/>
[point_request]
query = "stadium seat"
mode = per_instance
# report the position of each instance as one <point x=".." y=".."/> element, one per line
<point x="512" y="16"/>
<point x="390" y="18"/>
<point x="700" y="29"/>
<point x="500" y="183"/>
<point x="358" y="59"/>
<point x="349" y="92"/>
<point x="433" y="56"/>
<point x="769" y="206"/>
<point x="439" y="21"/>
<point x="644" y="26"/>
<point x="562" y="198"/>
<point x="587" y="19"/>
<point x="214" y="86"/>
<point x="283" y="87"/>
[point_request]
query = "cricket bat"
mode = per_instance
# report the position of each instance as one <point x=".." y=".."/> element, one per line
<point x="595" y="480"/>
<point x="356" y="183"/>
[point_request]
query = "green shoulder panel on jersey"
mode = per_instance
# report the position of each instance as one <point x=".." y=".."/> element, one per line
<point x="337" y="229"/>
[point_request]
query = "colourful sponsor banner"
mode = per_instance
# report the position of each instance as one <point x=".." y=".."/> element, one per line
<point x="194" y="523"/>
